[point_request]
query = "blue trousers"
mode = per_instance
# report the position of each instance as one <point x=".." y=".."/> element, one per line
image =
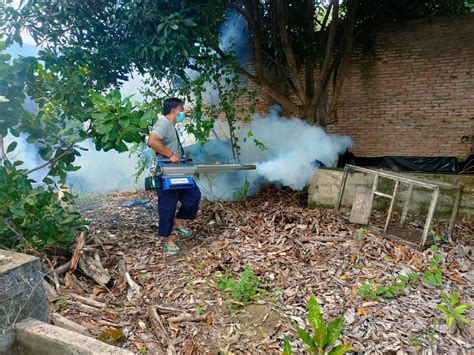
<point x="167" y="202"/>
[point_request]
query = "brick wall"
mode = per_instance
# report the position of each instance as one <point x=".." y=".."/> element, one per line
<point x="413" y="95"/>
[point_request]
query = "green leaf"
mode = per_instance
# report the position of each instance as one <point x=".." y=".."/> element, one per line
<point x="340" y="349"/>
<point x="306" y="338"/>
<point x="334" y="330"/>
<point x="463" y="319"/>
<point x="445" y="298"/>
<point x="286" y="346"/>
<point x="403" y="278"/>
<point x="189" y="22"/>
<point x="443" y="308"/>
<point x="317" y="322"/>
<point x="461" y="309"/>
<point x="11" y="147"/>
<point x="454" y="298"/>
<point x="174" y="27"/>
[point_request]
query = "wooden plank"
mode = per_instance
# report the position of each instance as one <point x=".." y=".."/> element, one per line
<point x="341" y="188"/>
<point x="454" y="215"/>
<point x="378" y="193"/>
<point x="361" y="206"/>
<point x="429" y="218"/>
<point x="392" y="203"/>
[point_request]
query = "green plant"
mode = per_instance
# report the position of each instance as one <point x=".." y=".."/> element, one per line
<point x="361" y="233"/>
<point x="61" y="303"/>
<point x="245" y="290"/>
<point x="366" y="291"/>
<point x="200" y="265"/>
<point x="200" y="310"/>
<point x="434" y="276"/>
<point x="453" y="312"/>
<point x="31" y="218"/>
<point x="370" y="290"/>
<point x="242" y="193"/>
<point x="325" y="335"/>
<point x="414" y="341"/>
<point x="143" y="351"/>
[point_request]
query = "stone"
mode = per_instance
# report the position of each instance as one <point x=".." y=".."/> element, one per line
<point x="22" y="294"/>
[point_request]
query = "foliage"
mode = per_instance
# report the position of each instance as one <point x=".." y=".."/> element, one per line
<point x="325" y="335"/>
<point x="31" y="217"/>
<point x="245" y="290"/>
<point x="371" y="290"/>
<point x="434" y="276"/>
<point x="168" y="40"/>
<point x="453" y="312"/>
<point x="243" y="193"/>
<point x="66" y="114"/>
<point x="116" y="122"/>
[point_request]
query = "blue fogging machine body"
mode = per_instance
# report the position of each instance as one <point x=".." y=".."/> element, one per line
<point x="169" y="176"/>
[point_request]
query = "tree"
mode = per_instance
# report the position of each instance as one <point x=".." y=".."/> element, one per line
<point x="300" y="47"/>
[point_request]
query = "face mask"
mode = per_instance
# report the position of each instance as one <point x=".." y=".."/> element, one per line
<point x="180" y="117"/>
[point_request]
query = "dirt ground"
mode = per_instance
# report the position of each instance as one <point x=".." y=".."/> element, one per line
<point x="293" y="250"/>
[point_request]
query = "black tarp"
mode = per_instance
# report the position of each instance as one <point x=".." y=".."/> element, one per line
<point x="413" y="164"/>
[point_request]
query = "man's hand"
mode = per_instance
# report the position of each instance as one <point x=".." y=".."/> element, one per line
<point x="174" y="159"/>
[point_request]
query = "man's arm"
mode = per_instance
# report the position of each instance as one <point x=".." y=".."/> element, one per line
<point x="155" y="143"/>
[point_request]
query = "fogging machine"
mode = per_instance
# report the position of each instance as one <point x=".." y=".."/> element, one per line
<point x="169" y="176"/>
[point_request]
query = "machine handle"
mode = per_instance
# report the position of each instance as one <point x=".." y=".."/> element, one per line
<point x="182" y="160"/>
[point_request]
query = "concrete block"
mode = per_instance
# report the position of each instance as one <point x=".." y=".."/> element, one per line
<point x="39" y="338"/>
<point x="22" y="294"/>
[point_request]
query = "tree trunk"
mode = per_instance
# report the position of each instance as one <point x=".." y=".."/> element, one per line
<point x="346" y="60"/>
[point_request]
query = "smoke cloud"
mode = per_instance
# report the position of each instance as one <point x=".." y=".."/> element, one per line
<point x="293" y="150"/>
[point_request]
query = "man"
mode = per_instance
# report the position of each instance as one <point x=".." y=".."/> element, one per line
<point x="165" y="142"/>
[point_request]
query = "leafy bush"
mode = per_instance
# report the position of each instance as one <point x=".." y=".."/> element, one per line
<point x="31" y="217"/>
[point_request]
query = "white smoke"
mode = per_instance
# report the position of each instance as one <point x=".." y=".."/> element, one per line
<point x="103" y="171"/>
<point x="293" y="150"/>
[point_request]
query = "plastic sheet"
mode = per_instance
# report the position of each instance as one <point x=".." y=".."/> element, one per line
<point x="414" y="164"/>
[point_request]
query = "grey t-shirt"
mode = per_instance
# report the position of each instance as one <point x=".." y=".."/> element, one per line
<point x="165" y="130"/>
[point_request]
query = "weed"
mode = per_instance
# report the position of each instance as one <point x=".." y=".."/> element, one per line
<point x="325" y="335"/>
<point x="61" y="303"/>
<point x="245" y="290"/>
<point x="398" y="286"/>
<point x="200" y="265"/>
<point x="200" y="310"/>
<point x="414" y="341"/>
<point x="453" y="312"/>
<point x="243" y="192"/>
<point x="434" y="276"/>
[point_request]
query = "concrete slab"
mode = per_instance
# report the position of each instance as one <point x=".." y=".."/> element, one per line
<point x="22" y="294"/>
<point x="39" y="338"/>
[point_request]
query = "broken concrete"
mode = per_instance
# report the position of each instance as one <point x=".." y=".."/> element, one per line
<point x="39" y="338"/>
<point x="22" y="294"/>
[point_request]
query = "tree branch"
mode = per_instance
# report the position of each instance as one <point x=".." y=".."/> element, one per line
<point x="309" y="35"/>
<point x="3" y="154"/>
<point x="53" y="160"/>
<point x="286" y="45"/>
<point x="334" y="7"/>
<point x="281" y="98"/>
<point x="251" y="11"/>
<point x="346" y="56"/>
